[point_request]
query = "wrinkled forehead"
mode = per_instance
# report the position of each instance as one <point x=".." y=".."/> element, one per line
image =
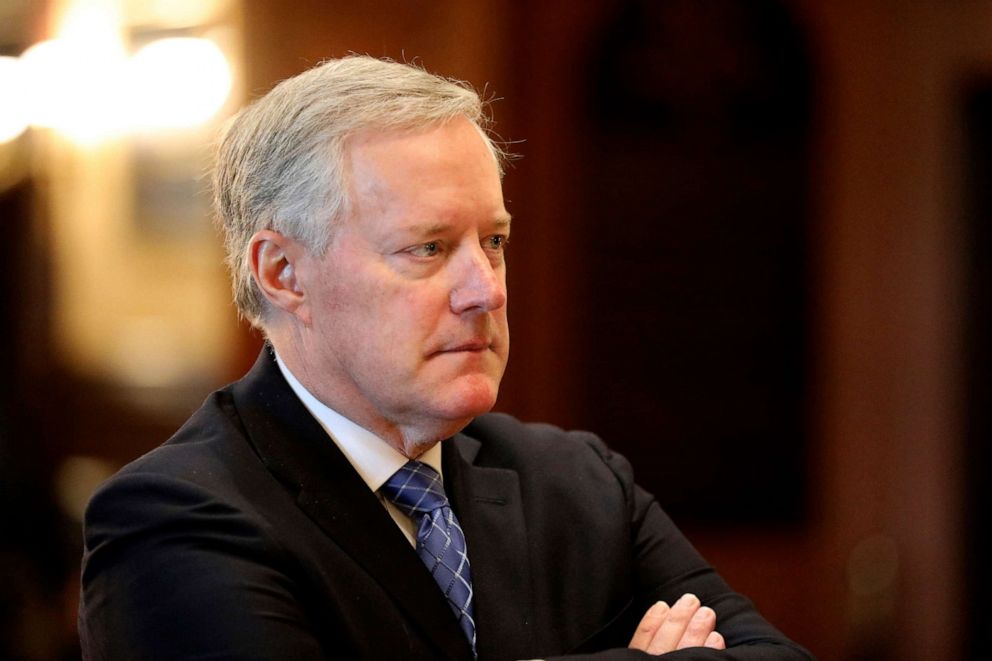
<point x="365" y="137"/>
<point x="456" y="151"/>
<point x="445" y="174"/>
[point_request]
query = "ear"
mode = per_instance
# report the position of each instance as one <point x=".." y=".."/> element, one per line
<point x="273" y="259"/>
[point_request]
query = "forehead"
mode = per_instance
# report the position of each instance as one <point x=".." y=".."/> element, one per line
<point x="451" y="147"/>
<point x="445" y="166"/>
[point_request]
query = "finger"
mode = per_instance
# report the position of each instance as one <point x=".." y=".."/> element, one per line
<point x="649" y="626"/>
<point x="699" y="628"/>
<point x="671" y="630"/>
<point x="715" y="641"/>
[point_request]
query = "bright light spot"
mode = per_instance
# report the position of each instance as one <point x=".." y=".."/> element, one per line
<point x="13" y="110"/>
<point x="178" y="82"/>
<point x="83" y="85"/>
<point x="74" y="86"/>
<point x="180" y="12"/>
<point x="92" y="22"/>
<point x="48" y="80"/>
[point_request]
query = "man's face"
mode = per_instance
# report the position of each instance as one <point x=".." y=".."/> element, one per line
<point x="407" y="332"/>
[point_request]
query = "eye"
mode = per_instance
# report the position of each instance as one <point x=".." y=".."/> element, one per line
<point x="429" y="249"/>
<point x="496" y="242"/>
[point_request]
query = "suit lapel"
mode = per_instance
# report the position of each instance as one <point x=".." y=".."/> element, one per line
<point x="488" y="505"/>
<point x="297" y="451"/>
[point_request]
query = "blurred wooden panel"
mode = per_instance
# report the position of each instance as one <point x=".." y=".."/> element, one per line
<point x="459" y="39"/>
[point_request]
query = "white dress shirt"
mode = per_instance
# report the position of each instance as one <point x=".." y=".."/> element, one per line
<point x="373" y="458"/>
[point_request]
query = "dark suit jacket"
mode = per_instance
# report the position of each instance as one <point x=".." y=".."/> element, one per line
<point x="248" y="535"/>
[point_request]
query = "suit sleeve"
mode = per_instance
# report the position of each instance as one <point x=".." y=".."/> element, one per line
<point x="668" y="566"/>
<point x="170" y="572"/>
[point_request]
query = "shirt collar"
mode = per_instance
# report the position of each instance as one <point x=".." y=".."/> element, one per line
<point x="374" y="459"/>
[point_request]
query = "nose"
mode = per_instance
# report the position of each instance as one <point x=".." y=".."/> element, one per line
<point x="479" y="285"/>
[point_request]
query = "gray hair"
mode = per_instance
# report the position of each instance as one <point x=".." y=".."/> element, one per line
<point x="280" y="164"/>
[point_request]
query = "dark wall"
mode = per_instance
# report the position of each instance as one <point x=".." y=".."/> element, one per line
<point x="693" y="241"/>
<point x="978" y="353"/>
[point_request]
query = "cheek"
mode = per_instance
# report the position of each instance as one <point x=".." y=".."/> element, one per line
<point x="398" y="322"/>
<point x="385" y="311"/>
<point x="352" y="296"/>
<point x="418" y="304"/>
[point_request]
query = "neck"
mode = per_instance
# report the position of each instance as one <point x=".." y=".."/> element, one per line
<point x="410" y="440"/>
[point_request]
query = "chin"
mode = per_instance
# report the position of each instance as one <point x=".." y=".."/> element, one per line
<point x="471" y="399"/>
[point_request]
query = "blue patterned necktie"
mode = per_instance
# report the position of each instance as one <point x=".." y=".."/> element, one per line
<point x="416" y="490"/>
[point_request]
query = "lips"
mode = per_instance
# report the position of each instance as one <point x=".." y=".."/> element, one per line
<point x="474" y="345"/>
<point x="471" y="345"/>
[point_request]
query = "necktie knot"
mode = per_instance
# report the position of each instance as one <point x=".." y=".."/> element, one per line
<point x="415" y="489"/>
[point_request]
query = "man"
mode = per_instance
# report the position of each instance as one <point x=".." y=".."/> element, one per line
<point x="365" y="228"/>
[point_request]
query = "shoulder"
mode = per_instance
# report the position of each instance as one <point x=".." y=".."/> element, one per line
<point x="502" y="432"/>
<point x="549" y="453"/>
<point x="212" y="436"/>
<point x="192" y="470"/>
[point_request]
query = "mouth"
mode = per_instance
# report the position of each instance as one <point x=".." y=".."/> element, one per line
<point x="470" y="346"/>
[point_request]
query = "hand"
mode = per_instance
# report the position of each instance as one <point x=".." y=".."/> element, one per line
<point x="686" y="624"/>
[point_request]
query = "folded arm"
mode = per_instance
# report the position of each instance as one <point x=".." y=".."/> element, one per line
<point x="668" y="567"/>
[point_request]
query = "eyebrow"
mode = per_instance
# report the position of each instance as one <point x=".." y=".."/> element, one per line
<point x="501" y="222"/>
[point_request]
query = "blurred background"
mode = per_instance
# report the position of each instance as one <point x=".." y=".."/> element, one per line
<point x="751" y="250"/>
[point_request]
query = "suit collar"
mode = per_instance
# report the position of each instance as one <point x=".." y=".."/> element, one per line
<point x="298" y="453"/>
<point x="488" y="503"/>
<point x="373" y="458"/>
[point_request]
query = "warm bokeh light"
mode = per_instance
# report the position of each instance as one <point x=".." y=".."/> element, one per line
<point x="177" y="13"/>
<point x="91" y="22"/>
<point x="74" y="87"/>
<point x="13" y="111"/>
<point x="74" y="80"/>
<point x="46" y="79"/>
<point x="178" y="82"/>
<point x="83" y="84"/>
